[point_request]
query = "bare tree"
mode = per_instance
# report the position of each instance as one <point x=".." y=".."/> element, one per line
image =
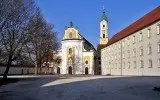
<point x="76" y="63"/>
<point x="43" y="41"/>
<point x="14" y="17"/>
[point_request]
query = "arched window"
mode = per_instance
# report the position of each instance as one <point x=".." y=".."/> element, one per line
<point x="103" y="26"/>
<point x="70" y="50"/>
<point x="70" y="35"/>
<point x="103" y="35"/>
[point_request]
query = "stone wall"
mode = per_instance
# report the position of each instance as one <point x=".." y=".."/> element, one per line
<point x="25" y="70"/>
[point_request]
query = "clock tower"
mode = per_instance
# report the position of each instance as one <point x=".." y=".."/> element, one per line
<point x="103" y="29"/>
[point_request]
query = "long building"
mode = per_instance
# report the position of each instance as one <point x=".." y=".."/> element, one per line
<point x="136" y="49"/>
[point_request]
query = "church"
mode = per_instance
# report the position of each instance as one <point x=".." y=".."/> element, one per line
<point x="78" y="55"/>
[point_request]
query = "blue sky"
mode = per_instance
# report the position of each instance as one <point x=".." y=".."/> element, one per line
<point x="86" y="14"/>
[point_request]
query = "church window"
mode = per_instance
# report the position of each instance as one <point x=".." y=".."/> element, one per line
<point x="103" y="26"/>
<point x="103" y="35"/>
<point x="70" y="35"/>
<point x="70" y="61"/>
<point x="86" y="62"/>
<point x="150" y="63"/>
<point x="70" y="50"/>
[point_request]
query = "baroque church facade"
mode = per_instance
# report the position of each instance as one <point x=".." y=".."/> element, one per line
<point x="77" y="54"/>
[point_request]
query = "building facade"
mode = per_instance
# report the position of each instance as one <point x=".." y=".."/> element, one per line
<point x="136" y="49"/>
<point x="77" y="53"/>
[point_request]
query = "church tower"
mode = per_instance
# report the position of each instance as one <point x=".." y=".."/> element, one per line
<point x="102" y="42"/>
<point x="103" y="29"/>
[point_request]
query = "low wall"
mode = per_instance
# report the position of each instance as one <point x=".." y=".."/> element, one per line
<point x="25" y="70"/>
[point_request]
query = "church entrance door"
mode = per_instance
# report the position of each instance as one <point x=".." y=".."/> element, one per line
<point x="58" y="70"/>
<point x="86" y="70"/>
<point x="70" y="70"/>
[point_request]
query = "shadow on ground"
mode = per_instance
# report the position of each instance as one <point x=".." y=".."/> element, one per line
<point x="124" y="88"/>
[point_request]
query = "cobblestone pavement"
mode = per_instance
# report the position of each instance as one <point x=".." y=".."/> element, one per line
<point x="82" y="88"/>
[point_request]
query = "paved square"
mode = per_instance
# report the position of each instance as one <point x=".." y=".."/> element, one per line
<point x="82" y="88"/>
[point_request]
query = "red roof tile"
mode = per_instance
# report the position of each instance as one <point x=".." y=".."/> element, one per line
<point x="142" y="23"/>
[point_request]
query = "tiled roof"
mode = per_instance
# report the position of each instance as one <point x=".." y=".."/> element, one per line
<point x="142" y="23"/>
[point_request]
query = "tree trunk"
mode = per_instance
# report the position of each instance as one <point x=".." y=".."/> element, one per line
<point x="36" y="69"/>
<point x="7" y="69"/>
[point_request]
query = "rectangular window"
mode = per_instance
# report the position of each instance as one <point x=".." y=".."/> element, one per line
<point x="119" y="66"/>
<point x="149" y="49"/>
<point x="149" y="33"/>
<point x="129" y="65"/>
<point x="134" y="63"/>
<point x="123" y="44"/>
<point x="159" y="63"/>
<point x="133" y="39"/>
<point x="128" y="53"/>
<point x="115" y="65"/>
<point x="141" y="51"/>
<point x="150" y="63"/>
<point x="158" y="29"/>
<point x="128" y="42"/>
<point x="141" y="64"/>
<point x="158" y="47"/>
<point x="119" y="45"/>
<point x="140" y="37"/>
<point x="123" y="65"/>
<point x="134" y="52"/>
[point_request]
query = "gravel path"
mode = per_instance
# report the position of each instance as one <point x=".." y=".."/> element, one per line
<point x="82" y="88"/>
